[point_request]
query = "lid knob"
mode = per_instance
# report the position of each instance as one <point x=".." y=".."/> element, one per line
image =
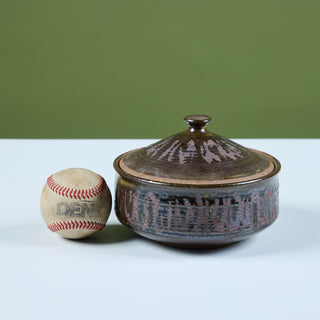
<point x="197" y="122"/>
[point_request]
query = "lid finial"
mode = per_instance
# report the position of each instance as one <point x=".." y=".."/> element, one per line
<point x="197" y="122"/>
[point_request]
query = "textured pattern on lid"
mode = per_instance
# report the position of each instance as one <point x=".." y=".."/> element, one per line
<point x="195" y="155"/>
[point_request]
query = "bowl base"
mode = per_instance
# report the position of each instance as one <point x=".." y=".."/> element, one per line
<point x="193" y="243"/>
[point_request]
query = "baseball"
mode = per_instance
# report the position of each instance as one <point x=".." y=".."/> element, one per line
<point x="75" y="203"/>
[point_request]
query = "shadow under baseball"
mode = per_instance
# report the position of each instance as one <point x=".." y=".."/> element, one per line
<point x="112" y="233"/>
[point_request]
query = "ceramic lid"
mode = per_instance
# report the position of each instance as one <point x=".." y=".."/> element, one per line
<point x="196" y="157"/>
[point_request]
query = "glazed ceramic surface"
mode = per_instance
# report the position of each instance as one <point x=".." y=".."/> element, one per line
<point x="197" y="189"/>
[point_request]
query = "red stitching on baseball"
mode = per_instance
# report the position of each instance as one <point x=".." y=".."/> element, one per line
<point x="80" y="194"/>
<point x="72" y="225"/>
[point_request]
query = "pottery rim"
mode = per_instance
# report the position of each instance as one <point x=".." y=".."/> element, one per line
<point x="199" y="184"/>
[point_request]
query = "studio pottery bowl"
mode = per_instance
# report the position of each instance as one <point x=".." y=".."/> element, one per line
<point x="196" y="189"/>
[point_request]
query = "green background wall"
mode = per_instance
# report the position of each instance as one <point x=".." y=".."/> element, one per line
<point x="134" y="69"/>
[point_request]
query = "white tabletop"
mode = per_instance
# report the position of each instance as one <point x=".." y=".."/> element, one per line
<point x="116" y="274"/>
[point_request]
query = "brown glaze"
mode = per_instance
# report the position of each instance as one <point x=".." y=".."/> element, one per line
<point x="124" y="170"/>
<point x="197" y="217"/>
<point x="195" y="154"/>
<point x="197" y="189"/>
